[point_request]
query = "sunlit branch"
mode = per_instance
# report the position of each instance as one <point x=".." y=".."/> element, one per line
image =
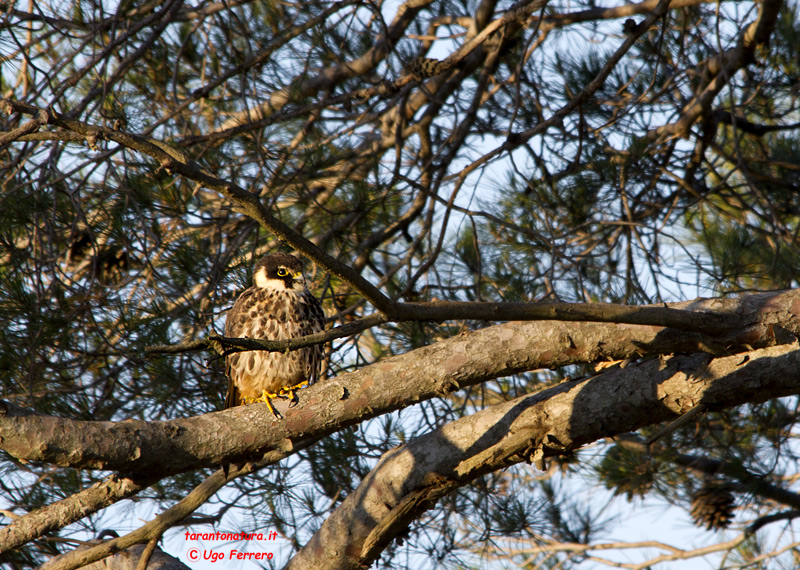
<point x="408" y="480"/>
<point x="61" y="513"/>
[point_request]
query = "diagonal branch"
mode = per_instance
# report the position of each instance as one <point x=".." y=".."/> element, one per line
<point x="154" y="529"/>
<point x="393" y="383"/>
<point x="174" y="160"/>
<point x="70" y="509"/>
<point x="408" y="480"/>
<point x="726" y="65"/>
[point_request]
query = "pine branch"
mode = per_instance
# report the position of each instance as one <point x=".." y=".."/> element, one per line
<point x="70" y="509"/>
<point x="554" y="421"/>
<point x="707" y="466"/>
<point x="722" y="70"/>
<point x="465" y="360"/>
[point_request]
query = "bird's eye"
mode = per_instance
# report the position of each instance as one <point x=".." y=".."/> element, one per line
<point x="282" y="272"/>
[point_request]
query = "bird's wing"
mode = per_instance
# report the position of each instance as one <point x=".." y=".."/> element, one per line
<point x="316" y="323"/>
<point x="232" y="397"/>
<point x="233" y="329"/>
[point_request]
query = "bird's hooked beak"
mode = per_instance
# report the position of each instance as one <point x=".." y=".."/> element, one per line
<point x="298" y="277"/>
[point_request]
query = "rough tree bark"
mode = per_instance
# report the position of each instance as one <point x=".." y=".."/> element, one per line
<point x="749" y="367"/>
<point x="204" y="441"/>
<point x="410" y="479"/>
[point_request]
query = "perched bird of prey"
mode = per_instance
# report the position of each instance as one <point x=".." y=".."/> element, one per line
<point x="277" y="307"/>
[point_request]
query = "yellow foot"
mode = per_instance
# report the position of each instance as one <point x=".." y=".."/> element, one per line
<point x="291" y="392"/>
<point x="265" y="397"/>
<point x="284" y="393"/>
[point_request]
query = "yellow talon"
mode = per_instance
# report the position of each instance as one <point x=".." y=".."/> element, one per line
<point x="266" y="397"/>
<point x="292" y="391"/>
<point x="284" y="393"/>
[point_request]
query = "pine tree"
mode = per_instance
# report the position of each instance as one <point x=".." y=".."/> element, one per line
<point x="509" y="212"/>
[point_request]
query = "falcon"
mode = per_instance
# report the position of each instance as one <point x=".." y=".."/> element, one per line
<point x="277" y="307"/>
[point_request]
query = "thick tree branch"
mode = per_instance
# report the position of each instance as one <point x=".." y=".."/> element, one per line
<point x="656" y="315"/>
<point x="408" y="480"/>
<point x="203" y="441"/>
<point x="66" y="511"/>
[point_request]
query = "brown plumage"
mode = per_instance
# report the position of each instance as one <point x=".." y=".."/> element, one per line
<point x="277" y="307"/>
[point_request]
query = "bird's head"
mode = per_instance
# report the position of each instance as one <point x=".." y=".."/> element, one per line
<point x="279" y="271"/>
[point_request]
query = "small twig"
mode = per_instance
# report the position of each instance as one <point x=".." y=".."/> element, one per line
<point x="9" y="514"/>
<point x="232" y="345"/>
<point x="677" y="423"/>
<point x="188" y="346"/>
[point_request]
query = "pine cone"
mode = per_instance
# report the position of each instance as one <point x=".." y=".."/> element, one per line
<point x="712" y="505"/>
